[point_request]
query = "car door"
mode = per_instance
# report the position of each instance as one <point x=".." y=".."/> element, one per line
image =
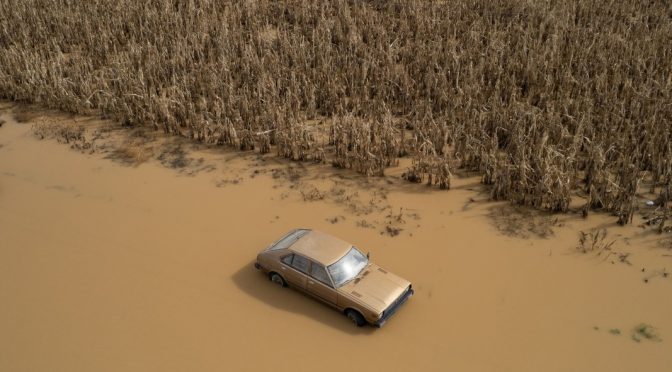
<point x="319" y="284"/>
<point x="295" y="270"/>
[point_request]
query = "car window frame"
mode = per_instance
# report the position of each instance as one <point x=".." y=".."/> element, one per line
<point x="282" y="260"/>
<point x="291" y="265"/>
<point x="330" y="284"/>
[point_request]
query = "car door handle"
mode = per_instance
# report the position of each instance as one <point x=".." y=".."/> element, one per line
<point x="311" y="282"/>
<point x="282" y="267"/>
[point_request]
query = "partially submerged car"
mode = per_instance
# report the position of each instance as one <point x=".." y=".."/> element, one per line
<point x="336" y="273"/>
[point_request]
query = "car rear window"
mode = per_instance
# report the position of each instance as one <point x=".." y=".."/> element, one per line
<point x="288" y="239"/>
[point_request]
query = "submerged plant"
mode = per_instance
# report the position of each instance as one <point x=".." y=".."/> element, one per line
<point x="645" y="332"/>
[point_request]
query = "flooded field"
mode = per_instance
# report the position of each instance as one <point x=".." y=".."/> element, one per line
<point x="133" y="252"/>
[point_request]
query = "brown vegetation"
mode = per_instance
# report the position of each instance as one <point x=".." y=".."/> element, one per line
<point x="546" y="99"/>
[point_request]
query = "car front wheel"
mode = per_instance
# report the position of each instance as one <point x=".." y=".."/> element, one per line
<point x="277" y="279"/>
<point x="356" y="318"/>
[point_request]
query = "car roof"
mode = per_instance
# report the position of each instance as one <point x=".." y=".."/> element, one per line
<point x="321" y="247"/>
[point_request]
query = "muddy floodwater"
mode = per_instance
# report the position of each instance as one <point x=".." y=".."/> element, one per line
<point x="111" y="266"/>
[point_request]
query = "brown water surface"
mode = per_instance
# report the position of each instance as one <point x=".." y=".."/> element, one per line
<point x="110" y="267"/>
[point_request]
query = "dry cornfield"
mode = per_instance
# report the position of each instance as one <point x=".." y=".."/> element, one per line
<point x="546" y="99"/>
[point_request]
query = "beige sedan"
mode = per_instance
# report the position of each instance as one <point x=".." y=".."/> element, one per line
<point x="336" y="273"/>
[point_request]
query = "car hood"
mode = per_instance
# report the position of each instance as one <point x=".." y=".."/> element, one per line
<point x="375" y="287"/>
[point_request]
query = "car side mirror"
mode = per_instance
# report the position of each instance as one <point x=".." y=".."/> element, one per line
<point x="367" y="255"/>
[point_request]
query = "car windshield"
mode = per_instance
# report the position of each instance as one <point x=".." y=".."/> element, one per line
<point x="348" y="267"/>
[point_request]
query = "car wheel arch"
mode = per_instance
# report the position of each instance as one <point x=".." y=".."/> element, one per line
<point x="358" y="315"/>
<point x="284" y="281"/>
<point x="350" y="308"/>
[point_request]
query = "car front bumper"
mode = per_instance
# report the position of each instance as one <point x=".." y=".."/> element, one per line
<point x="394" y="307"/>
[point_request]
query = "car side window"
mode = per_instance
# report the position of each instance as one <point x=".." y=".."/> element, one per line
<point x="287" y="260"/>
<point x="318" y="272"/>
<point x="300" y="263"/>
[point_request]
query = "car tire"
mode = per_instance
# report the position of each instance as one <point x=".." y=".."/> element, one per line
<point x="277" y="279"/>
<point x="355" y="317"/>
